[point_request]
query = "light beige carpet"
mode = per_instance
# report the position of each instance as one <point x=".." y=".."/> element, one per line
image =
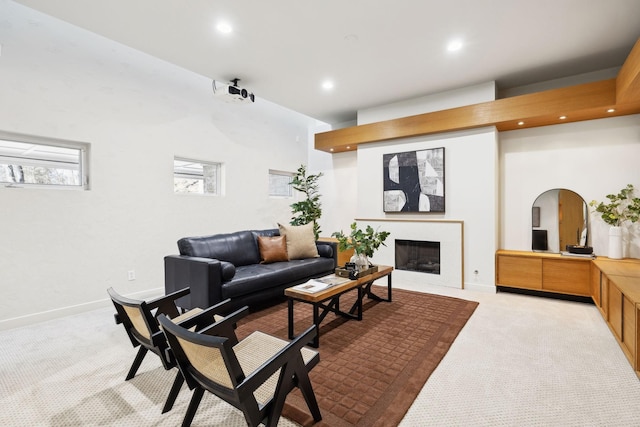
<point x="70" y="372"/>
<point x="529" y="361"/>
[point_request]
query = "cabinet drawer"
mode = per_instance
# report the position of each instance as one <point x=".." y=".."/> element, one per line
<point x="604" y="293"/>
<point x="568" y="277"/>
<point x="596" y="287"/>
<point x="520" y="272"/>
<point x="629" y="327"/>
<point x="615" y="310"/>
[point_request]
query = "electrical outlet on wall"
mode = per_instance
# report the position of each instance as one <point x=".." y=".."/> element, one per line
<point x="131" y="275"/>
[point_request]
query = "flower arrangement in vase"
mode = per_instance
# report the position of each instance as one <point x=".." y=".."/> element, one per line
<point x="622" y="207"/>
<point x="364" y="243"/>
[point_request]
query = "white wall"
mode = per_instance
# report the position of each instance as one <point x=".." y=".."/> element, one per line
<point x="471" y="191"/>
<point x="471" y="186"/>
<point x="592" y="158"/>
<point x="352" y="186"/>
<point x="62" y="249"/>
<point x="425" y="104"/>
<point x="337" y="186"/>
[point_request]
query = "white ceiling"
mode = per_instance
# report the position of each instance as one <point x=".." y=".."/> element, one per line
<point x="376" y="51"/>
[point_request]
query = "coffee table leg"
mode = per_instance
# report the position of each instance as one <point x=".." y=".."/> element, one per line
<point x="290" y="316"/>
<point x="316" y="321"/>
<point x="373" y="296"/>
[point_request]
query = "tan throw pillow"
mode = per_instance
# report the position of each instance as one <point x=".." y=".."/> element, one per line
<point x="272" y="249"/>
<point x="301" y="242"/>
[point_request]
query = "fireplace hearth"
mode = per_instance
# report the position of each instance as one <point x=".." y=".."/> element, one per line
<point x="417" y="255"/>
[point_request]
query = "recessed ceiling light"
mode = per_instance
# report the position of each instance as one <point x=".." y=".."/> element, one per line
<point x="331" y="149"/>
<point x="520" y="123"/>
<point x="348" y="147"/>
<point x="224" y="27"/>
<point x="454" y="45"/>
<point x="611" y="110"/>
<point x="562" y="117"/>
<point x="327" y="85"/>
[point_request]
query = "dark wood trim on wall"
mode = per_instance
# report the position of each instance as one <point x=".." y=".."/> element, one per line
<point x="589" y="101"/>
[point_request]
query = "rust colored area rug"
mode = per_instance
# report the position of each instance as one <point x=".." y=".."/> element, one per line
<point x="370" y="371"/>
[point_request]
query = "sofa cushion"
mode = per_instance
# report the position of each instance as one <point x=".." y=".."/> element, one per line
<point x="257" y="277"/>
<point x="239" y="248"/>
<point x="272" y="249"/>
<point x="301" y="241"/>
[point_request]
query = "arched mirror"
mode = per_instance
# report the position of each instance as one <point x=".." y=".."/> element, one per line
<point x="559" y="217"/>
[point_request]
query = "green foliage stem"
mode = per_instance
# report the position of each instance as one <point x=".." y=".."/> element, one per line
<point x="362" y="242"/>
<point x="621" y="207"/>
<point x="309" y="209"/>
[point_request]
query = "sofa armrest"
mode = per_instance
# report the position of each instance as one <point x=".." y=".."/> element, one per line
<point x="203" y="276"/>
<point x="328" y="250"/>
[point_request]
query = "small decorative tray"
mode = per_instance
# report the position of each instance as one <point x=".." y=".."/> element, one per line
<point x="575" y="249"/>
<point x="343" y="272"/>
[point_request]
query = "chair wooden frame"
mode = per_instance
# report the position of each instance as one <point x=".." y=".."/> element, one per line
<point x="139" y="319"/>
<point x="293" y="370"/>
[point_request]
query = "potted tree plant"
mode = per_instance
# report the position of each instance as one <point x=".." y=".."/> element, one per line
<point x="309" y="209"/>
<point x="364" y="243"/>
<point x="622" y="207"/>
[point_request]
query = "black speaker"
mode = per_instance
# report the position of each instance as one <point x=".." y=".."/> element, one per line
<point x="539" y="240"/>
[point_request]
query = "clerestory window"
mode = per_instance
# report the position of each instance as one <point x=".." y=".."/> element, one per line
<point x="196" y="177"/>
<point x="28" y="161"/>
<point x="280" y="184"/>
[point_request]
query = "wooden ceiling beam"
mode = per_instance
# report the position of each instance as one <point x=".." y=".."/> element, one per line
<point x="589" y="101"/>
<point x="536" y="109"/>
<point x="628" y="80"/>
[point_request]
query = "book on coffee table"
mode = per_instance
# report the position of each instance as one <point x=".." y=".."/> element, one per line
<point x="320" y="283"/>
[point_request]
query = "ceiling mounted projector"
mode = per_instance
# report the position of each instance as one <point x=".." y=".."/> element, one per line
<point x="231" y="92"/>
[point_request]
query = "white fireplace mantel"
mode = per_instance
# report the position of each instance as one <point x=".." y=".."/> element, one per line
<point x="450" y="234"/>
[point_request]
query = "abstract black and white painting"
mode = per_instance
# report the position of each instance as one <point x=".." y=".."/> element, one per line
<point x="414" y="181"/>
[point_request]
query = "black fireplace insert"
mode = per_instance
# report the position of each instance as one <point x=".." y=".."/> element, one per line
<point x="418" y="255"/>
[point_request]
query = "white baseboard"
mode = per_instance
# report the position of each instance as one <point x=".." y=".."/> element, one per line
<point x="44" y="316"/>
<point x="480" y="287"/>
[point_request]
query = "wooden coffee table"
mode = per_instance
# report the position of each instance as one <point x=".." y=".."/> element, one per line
<point x="329" y="299"/>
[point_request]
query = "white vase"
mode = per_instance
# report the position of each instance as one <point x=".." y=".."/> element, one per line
<point x="361" y="261"/>
<point x="615" y="242"/>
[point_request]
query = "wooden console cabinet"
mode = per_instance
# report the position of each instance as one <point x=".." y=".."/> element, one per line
<point x="544" y="272"/>
<point x="616" y="292"/>
<point x="614" y="286"/>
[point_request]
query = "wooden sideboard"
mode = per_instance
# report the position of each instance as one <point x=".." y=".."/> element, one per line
<point x="616" y="292"/>
<point x="614" y="286"/>
<point x="544" y="272"/>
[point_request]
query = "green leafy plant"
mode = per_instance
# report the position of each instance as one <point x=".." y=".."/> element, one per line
<point x="621" y="207"/>
<point x="362" y="242"/>
<point x="309" y="209"/>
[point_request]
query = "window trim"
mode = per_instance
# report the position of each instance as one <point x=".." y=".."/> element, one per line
<point x="83" y="161"/>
